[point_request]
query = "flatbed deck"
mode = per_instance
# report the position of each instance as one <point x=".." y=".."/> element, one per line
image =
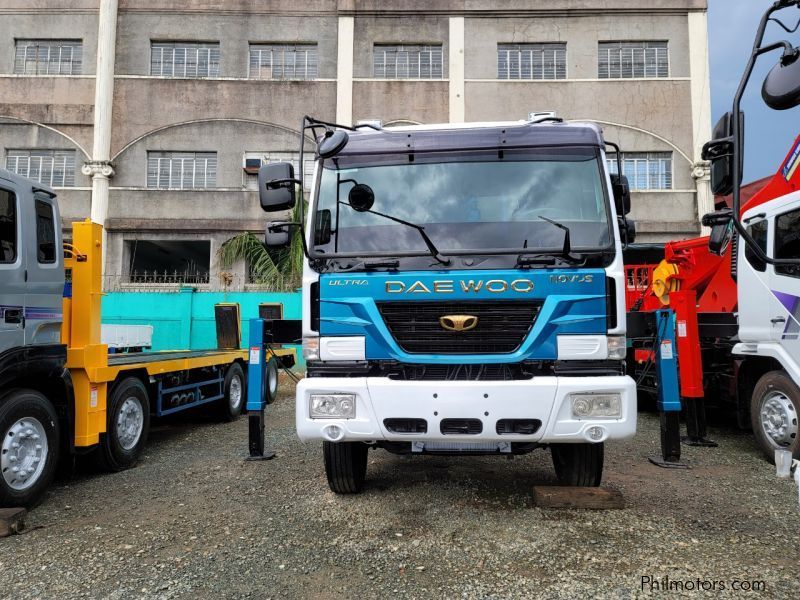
<point x="129" y="358"/>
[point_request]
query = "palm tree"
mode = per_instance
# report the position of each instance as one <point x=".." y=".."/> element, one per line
<point x="276" y="269"/>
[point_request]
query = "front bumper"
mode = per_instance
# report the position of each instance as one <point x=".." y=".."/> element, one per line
<point x="542" y="398"/>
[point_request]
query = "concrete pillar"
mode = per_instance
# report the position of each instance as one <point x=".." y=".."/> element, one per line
<point x="344" y="71"/>
<point x="456" y="60"/>
<point x="701" y="109"/>
<point x="99" y="168"/>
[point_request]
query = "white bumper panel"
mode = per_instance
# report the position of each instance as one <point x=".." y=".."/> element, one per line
<point x="542" y="398"/>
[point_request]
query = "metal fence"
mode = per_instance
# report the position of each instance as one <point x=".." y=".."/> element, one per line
<point x="166" y="282"/>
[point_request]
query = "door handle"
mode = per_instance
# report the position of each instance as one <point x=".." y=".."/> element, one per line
<point x="13" y="316"/>
<point x="777" y="320"/>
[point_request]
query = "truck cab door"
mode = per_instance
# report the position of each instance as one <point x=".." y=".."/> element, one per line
<point x="784" y="281"/>
<point x="757" y="304"/>
<point x="12" y="269"/>
<point x="45" y="265"/>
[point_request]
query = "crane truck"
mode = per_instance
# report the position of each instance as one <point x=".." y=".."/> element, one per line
<point x="61" y="393"/>
<point x="736" y="293"/>
<point x="463" y="293"/>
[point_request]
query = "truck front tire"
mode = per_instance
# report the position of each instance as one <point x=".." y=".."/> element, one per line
<point x="578" y="465"/>
<point x="345" y="466"/>
<point x="773" y="412"/>
<point x="127" y="425"/>
<point x="29" y="447"/>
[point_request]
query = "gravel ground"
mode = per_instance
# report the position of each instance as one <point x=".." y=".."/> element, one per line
<point x="195" y="521"/>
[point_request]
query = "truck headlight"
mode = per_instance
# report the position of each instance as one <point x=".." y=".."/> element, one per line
<point x="596" y="405"/>
<point x="332" y="406"/>
<point x="311" y="347"/>
<point x="617" y="347"/>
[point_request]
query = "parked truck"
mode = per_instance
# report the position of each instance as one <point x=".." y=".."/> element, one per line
<point x="463" y="293"/>
<point x="736" y="293"/>
<point x="61" y="394"/>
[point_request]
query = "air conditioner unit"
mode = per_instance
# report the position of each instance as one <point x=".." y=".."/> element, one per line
<point x="252" y="165"/>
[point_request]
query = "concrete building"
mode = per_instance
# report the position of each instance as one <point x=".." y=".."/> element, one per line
<point x="151" y="116"/>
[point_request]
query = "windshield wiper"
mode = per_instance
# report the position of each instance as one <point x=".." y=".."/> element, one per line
<point x="432" y="249"/>
<point x="567" y="247"/>
<point x="390" y="264"/>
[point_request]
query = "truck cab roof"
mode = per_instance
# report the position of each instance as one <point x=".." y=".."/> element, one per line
<point x="472" y="136"/>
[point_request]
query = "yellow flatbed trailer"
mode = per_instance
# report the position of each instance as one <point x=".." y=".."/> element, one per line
<point x="75" y="397"/>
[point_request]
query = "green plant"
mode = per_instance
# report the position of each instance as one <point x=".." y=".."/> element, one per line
<point x="276" y="269"/>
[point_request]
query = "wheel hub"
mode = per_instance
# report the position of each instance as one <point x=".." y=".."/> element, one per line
<point x="779" y="419"/>
<point x="235" y="392"/>
<point x="23" y="453"/>
<point x="130" y="422"/>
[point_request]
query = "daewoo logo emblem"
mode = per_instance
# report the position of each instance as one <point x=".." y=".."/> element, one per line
<point x="458" y="322"/>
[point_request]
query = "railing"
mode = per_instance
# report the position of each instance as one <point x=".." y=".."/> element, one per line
<point x="171" y="282"/>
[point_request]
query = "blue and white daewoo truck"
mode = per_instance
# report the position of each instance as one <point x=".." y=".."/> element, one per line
<point x="462" y="293"/>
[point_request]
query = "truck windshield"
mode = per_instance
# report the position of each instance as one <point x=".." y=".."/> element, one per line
<point x="467" y="202"/>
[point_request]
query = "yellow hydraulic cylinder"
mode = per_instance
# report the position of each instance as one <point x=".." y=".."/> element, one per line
<point x="81" y="331"/>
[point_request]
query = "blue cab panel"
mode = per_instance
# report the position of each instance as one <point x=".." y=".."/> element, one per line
<point x="572" y="302"/>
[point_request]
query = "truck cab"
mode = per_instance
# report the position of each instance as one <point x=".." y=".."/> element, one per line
<point x="463" y="294"/>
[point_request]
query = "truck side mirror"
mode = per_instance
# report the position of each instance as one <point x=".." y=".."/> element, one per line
<point x="720" y="152"/>
<point x="276" y="187"/>
<point x="322" y="228"/>
<point x="622" y="193"/>
<point x="721" y="223"/>
<point x="627" y="230"/>
<point x="781" y="89"/>
<point x="278" y="235"/>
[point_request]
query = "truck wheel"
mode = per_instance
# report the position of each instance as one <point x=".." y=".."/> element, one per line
<point x="345" y="466"/>
<point x="271" y="380"/>
<point x="773" y="412"/>
<point x="29" y="447"/>
<point x="127" y="426"/>
<point x="234" y="389"/>
<point x="578" y="464"/>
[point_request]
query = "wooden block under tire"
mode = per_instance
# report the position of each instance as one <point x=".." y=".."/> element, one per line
<point x="551" y="496"/>
<point x="12" y="520"/>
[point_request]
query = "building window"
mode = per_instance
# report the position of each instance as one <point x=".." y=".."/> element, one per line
<point x="407" y="62"/>
<point x="181" y="170"/>
<point x="55" y="168"/>
<point x="48" y="57"/>
<point x="8" y="227"/>
<point x="645" y="170"/>
<point x="254" y="160"/>
<point x="283" y="61"/>
<point x="531" y="61"/>
<point x="631" y="60"/>
<point x="169" y="261"/>
<point x="184" y="59"/>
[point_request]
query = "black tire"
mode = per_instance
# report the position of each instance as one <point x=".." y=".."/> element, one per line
<point x="578" y="465"/>
<point x="783" y="395"/>
<point x="115" y="453"/>
<point x="271" y="380"/>
<point x="345" y="466"/>
<point x="17" y="409"/>
<point x="234" y="385"/>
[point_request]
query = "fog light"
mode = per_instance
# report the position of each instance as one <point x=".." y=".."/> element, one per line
<point x="333" y="433"/>
<point x="596" y="405"/>
<point x="596" y="433"/>
<point x="311" y="348"/>
<point x="332" y="406"/>
<point x="617" y="347"/>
